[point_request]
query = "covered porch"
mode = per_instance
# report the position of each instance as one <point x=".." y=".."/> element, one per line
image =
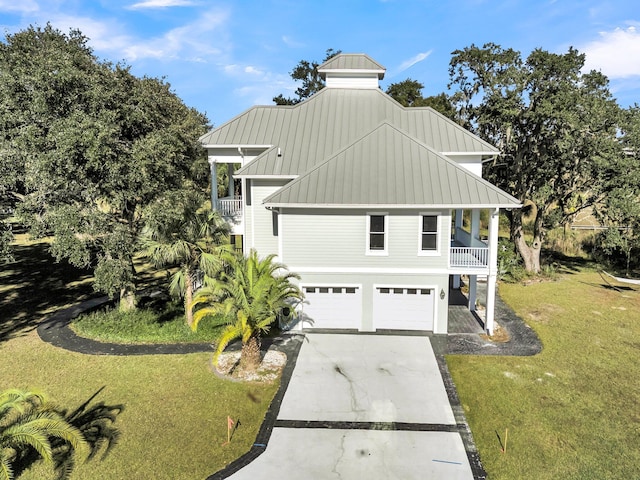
<point x="461" y="319"/>
<point x="473" y="255"/>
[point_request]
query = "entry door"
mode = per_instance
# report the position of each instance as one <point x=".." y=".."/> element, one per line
<point x="403" y="308"/>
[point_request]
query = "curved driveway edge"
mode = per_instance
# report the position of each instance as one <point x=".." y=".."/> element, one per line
<point x="56" y="331"/>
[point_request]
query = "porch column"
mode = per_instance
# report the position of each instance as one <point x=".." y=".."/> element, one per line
<point x="493" y="270"/>
<point x="230" y="174"/>
<point x="456" y="226"/>
<point x="214" y="183"/>
<point x="473" y="292"/>
<point x="475" y="225"/>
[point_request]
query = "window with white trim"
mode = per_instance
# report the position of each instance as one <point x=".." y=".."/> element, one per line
<point x="377" y="232"/>
<point x="428" y="233"/>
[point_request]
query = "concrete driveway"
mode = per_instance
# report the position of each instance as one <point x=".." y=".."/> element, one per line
<point x="364" y="406"/>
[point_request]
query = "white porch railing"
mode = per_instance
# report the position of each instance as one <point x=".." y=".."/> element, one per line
<point x="469" y="257"/>
<point x="229" y="206"/>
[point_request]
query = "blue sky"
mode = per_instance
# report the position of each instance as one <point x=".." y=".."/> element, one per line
<point x="222" y="57"/>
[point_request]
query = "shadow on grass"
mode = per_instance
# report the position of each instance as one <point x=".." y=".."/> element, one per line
<point x="96" y="422"/>
<point x="567" y="264"/>
<point x="34" y="285"/>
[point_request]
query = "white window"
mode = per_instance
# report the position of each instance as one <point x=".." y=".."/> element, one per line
<point x="377" y="233"/>
<point x="428" y="241"/>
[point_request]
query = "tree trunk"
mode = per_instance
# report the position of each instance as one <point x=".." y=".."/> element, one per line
<point x="188" y="298"/>
<point x="530" y="253"/>
<point x="250" y="356"/>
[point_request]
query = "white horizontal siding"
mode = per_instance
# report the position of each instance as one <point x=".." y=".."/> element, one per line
<point x="345" y="80"/>
<point x="324" y="238"/>
<point x="261" y="233"/>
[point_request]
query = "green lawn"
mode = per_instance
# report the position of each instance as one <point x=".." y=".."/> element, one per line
<point x="571" y="411"/>
<point x="164" y="323"/>
<point x="174" y="421"/>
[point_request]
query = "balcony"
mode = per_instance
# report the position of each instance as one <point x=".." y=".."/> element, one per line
<point x="469" y="257"/>
<point x="229" y="207"/>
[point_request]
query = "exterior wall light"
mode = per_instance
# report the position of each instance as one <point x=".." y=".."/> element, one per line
<point x="442" y="294"/>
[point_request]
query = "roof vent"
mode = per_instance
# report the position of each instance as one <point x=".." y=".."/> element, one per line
<point x="279" y="152"/>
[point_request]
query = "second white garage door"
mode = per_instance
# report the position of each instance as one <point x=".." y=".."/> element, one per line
<point x="332" y="306"/>
<point x="403" y="308"/>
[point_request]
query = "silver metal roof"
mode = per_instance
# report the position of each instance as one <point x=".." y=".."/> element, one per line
<point x="389" y="168"/>
<point x="351" y="62"/>
<point x="310" y="132"/>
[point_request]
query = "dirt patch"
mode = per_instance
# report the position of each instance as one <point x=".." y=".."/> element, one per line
<point x="269" y="370"/>
<point x="500" y="335"/>
<point x="544" y="313"/>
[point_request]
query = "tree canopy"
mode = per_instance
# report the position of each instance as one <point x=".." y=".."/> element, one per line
<point x="409" y="94"/>
<point x="307" y="73"/>
<point x="91" y="147"/>
<point x="191" y="239"/>
<point x="555" y="125"/>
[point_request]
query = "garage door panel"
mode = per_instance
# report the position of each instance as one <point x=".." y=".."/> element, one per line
<point x="332" y="306"/>
<point x="403" y="308"/>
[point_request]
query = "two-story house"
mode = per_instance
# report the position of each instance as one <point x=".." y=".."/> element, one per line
<point x="364" y="199"/>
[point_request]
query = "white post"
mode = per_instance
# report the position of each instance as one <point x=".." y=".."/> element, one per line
<point x="475" y="225"/>
<point x="456" y="226"/>
<point x="458" y="222"/>
<point x="493" y="270"/>
<point x="230" y="174"/>
<point x="473" y="292"/>
<point x="214" y="183"/>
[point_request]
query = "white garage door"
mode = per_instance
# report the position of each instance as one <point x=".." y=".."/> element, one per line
<point x="403" y="308"/>
<point x="332" y="306"/>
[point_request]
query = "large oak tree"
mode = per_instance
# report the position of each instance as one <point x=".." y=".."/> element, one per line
<point x="90" y="147"/>
<point x="555" y="126"/>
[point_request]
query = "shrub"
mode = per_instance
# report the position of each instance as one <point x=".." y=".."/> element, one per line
<point x="510" y="268"/>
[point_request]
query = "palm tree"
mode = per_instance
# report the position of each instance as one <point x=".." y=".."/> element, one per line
<point x="251" y="293"/>
<point x="30" y="425"/>
<point x="193" y="240"/>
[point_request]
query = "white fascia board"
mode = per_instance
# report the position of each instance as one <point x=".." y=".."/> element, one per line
<point x="389" y="207"/>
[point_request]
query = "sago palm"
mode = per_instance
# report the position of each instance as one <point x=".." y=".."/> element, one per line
<point x="193" y="240"/>
<point x="30" y="425"/>
<point x="250" y="292"/>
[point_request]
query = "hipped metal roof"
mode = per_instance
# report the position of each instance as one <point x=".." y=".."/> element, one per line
<point x="352" y="146"/>
<point x="310" y="132"/>
<point x="388" y="168"/>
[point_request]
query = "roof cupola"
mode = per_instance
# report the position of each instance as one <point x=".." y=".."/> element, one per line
<point x="351" y="70"/>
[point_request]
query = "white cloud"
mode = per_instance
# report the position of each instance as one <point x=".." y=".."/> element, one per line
<point x="615" y="53"/>
<point x="193" y="42"/>
<point x="413" y="60"/>
<point x="253" y="70"/>
<point x="22" y="6"/>
<point x="161" y="4"/>
<point x="290" y="42"/>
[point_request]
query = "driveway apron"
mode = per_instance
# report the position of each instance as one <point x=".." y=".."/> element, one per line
<point x="364" y="406"/>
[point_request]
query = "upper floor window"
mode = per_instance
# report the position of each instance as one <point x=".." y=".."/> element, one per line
<point x="428" y="233"/>
<point x="377" y="226"/>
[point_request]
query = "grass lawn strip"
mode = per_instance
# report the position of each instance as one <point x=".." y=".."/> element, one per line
<point x="571" y="411"/>
<point x="175" y="418"/>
